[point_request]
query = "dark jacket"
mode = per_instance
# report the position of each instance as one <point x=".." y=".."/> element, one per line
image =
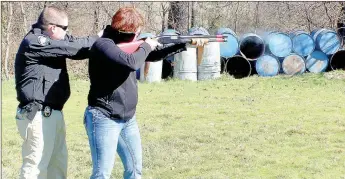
<point x="40" y="67"/>
<point x="112" y="74"/>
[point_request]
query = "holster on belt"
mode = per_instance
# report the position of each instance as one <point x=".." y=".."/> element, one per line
<point x="30" y="110"/>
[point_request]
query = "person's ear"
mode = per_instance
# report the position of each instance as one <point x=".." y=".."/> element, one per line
<point x="53" y="29"/>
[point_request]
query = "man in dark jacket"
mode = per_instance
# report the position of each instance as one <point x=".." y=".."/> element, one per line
<point x="42" y="87"/>
<point x="110" y="117"/>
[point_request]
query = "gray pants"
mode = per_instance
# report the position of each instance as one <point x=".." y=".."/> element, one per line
<point x="44" y="149"/>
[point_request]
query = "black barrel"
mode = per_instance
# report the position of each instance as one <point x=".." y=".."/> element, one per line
<point x="238" y="67"/>
<point x="168" y="63"/>
<point x="252" y="46"/>
<point x="338" y="60"/>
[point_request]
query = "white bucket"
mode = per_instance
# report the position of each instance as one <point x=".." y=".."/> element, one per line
<point x="185" y="65"/>
<point x="210" y="65"/>
<point x="151" y="71"/>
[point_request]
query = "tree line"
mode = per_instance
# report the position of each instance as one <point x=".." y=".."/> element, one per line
<point x="87" y="18"/>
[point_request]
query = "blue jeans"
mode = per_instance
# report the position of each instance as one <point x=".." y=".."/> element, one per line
<point x="106" y="136"/>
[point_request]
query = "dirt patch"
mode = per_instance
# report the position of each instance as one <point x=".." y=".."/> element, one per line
<point x="335" y="75"/>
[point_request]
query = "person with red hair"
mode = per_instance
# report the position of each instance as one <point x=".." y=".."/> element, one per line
<point x="109" y="118"/>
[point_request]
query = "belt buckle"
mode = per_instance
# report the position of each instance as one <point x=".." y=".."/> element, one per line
<point x="47" y="111"/>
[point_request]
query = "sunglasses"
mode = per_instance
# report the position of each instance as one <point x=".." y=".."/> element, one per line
<point x="127" y="33"/>
<point x="126" y="36"/>
<point x="61" y="26"/>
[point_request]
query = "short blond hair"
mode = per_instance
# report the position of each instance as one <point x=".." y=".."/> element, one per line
<point x="51" y="15"/>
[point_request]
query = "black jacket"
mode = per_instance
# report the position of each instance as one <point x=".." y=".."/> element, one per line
<point x="112" y="74"/>
<point x="40" y="67"/>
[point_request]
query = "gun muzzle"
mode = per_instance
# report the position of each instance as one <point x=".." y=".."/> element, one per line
<point x="223" y="39"/>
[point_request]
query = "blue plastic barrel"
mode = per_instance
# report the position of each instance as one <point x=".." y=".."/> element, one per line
<point x="279" y="44"/>
<point x="170" y="32"/>
<point x="302" y="43"/>
<point x="251" y="46"/>
<point x="145" y="35"/>
<point x="326" y="40"/>
<point x="229" y="48"/>
<point x="198" y="31"/>
<point x="267" y="65"/>
<point x="317" y="62"/>
<point x="293" y="64"/>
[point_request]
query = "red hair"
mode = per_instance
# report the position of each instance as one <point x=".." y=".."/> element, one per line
<point x="127" y="19"/>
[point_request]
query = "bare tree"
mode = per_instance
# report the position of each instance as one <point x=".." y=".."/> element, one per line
<point x="308" y="19"/>
<point x="106" y="10"/>
<point x="341" y="23"/>
<point x="149" y="10"/>
<point x="238" y="4"/>
<point x="45" y="4"/>
<point x="341" y="15"/>
<point x="96" y="13"/>
<point x="330" y="21"/>
<point x="257" y="16"/>
<point x="214" y="22"/>
<point x="165" y="11"/>
<point x="24" y="17"/>
<point x="10" y="12"/>
<point x="66" y="5"/>
<point x="193" y="14"/>
<point x="171" y="19"/>
<point x="178" y="16"/>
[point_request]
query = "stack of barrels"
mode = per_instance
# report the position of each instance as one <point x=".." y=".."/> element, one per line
<point x="271" y="53"/>
<point x="265" y="54"/>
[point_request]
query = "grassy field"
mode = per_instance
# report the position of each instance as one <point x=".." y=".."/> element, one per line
<point x="280" y="127"/>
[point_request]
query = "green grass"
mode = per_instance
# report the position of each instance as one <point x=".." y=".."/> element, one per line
<point x="280" y="127"/>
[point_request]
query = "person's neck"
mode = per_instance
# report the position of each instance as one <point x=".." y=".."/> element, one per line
<point x="115" y="35"/>
<point x="39" y="27"/>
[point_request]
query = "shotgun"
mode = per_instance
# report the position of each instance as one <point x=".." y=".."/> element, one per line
<point x="172" y="39"/>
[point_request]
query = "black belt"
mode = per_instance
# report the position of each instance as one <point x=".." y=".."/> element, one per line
<point x="35" y="106"/>
<point x="41" y="106"/>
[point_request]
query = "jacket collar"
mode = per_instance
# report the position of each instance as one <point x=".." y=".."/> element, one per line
<point x="37" y="29"/>
<point x="116" y="36"/>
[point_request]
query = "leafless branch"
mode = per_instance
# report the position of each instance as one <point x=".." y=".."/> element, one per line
<point x="236" y="13"/>
<point x="10" y="11"/>
<point x="327" y="14"/>
<point x="24" y="17"/>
